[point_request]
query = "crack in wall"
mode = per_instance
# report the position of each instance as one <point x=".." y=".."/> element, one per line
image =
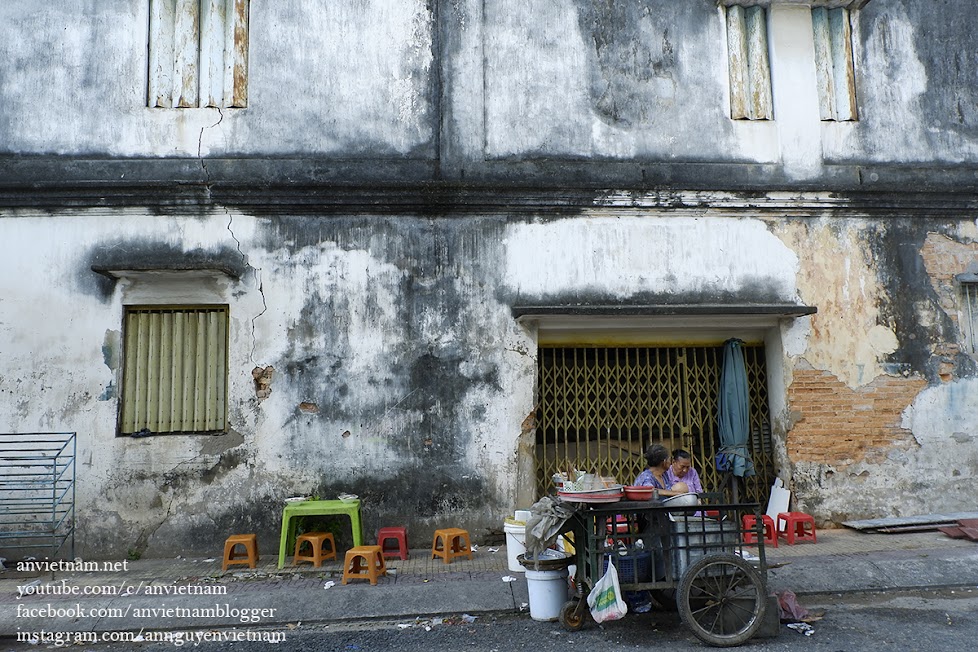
<point x="261" y="291"/>
<point x="257" y="271"/>
<point x="258" y="283"/>
<point x="200" y="145"/>
<point x="142" y="542"/>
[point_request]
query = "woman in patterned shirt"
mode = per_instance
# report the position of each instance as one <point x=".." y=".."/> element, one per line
<point x="657" y="457"/>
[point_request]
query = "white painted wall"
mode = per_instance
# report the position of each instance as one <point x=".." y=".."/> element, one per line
<point x="625" y="256"/>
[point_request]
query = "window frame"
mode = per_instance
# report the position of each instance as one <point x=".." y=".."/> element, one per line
<point x="136" y="424"/>
<point x="198" y="54"/>
<point x="969" y="313"/>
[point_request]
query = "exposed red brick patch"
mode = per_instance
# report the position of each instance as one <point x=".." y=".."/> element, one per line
<point x="839" y="425"/>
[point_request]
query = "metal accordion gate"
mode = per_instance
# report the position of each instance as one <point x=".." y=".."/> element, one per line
<point x="600" y="407"/>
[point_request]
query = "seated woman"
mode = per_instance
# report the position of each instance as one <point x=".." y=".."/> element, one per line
<point x="681" y="470"/>
<point x="657" y="458"/>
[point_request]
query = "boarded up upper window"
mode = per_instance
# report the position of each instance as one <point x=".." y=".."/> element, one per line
<point x="969" y="293"/>
<point x="833" y="63"/>
<point x="749" y="64"/>
<point x="175" y="370"/>
<point x="198" y="53"/>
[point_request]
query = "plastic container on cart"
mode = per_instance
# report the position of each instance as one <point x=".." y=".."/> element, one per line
<point x="549" y="559"/>
<point x="695" y="536"/>
<point x="633" y="568"/>
<point x="515" y="543"/>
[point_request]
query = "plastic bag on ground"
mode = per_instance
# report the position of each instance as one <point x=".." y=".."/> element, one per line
<point x="788" y="608"/>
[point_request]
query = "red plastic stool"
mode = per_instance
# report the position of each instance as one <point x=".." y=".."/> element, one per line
<point x="794" y="527"/>
<point x="399" y="535"/>
<point x="770" y="534"/>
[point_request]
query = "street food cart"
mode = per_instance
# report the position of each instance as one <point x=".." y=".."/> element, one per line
<point x="693" y="554"/>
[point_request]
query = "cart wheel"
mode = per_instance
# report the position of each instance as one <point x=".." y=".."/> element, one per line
<point x="721" y="598"/>
<point x="574" y="615"/>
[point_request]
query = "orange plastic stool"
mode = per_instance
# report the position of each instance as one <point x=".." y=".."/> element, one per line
<point x="399" y="535"/>
<point x="794" y="527"/>
<point x="454" y="543"/>
<point x="365" y="563"/>
<point x="770" y="534"/>
<point x="248" y="557"/>
<point x="316" y="540"/>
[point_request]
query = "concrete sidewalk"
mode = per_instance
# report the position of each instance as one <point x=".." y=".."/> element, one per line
<point x="159" y="594"/>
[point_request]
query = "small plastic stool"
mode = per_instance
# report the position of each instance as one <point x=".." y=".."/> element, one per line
<point x="250" y="555"/>
<point x="454" y="543"/>
<point x="794" y="527"/>
<point x="316" y="541"/>
<point x="365" y="563"/>
<point x="770" y="534"/>
<point x="399" y="535"/>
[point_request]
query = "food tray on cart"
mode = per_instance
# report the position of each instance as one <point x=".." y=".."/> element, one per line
<point x="611" y="494"/>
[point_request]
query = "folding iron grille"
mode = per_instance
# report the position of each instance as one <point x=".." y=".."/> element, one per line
<point x="600" y="408"/>
<point x="175" y="373"/>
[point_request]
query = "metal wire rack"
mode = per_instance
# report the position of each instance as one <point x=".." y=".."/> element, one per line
<point x="37" y="492"/>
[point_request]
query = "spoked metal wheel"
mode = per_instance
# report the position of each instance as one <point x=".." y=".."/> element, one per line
<point x="721" y="598"/>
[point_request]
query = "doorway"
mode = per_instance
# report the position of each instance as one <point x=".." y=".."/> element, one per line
<point x="599" y="408"/>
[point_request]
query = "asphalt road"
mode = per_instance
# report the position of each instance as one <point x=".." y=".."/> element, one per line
<point x="909" y="622"/>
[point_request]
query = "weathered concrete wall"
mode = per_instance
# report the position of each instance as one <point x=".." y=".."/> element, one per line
<point x="347" y="78"/>
<point x="917" y="97"/>
<point x="879" y="421"/>
<point x="486" y="88"/>
<point x="399" y="373"/>
<point x="394" y="372"/>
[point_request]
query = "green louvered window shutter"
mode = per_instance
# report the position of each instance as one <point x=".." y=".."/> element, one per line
<point x="175" y="374"/>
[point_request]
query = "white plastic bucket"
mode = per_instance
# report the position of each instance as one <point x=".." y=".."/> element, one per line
<point x="515" y="543"/>
<point x="548" y="593"/>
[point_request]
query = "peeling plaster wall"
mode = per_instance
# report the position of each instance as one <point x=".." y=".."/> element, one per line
<point x="397" y="370"/>
<point x="400" y="374"/>
<point x="348" y="76"/>
<point x="471" y="83"/>
<point x="877" y="384"/>
<point x="836" y="267"/>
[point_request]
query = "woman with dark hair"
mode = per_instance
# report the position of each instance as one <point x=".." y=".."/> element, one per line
<point x="681" y="470"/>
<point x="657" y="458"/>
